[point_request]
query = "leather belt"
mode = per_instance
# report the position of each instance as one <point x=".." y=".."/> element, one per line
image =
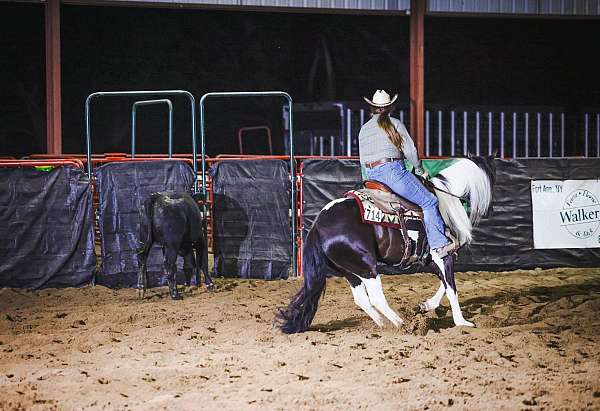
<point x="374" y="164"/>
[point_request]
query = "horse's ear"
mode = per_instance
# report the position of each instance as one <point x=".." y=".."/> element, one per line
<point x="495" y="153"/>
<point x="469" y="155"/>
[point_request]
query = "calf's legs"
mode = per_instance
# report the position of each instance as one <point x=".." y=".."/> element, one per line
<point x="202" y="263"/>
<point x="142" y="284"/>
<point x="189" y="264"/>
<point x="171" y="270"/>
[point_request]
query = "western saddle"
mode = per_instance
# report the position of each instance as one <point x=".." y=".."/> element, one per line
<point x="392" y="202"/>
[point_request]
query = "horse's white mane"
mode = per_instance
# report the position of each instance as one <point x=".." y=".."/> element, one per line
<point x="464" y="179"/>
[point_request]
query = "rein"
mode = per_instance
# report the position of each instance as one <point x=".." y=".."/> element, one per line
<point x="431" y="186"/>
<point x="449" y="193"/>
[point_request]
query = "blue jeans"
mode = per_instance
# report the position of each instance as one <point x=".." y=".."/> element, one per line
<point x="405" y="184"/>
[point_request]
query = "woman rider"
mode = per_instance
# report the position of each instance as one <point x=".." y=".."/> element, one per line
<point x="383" y="145"/>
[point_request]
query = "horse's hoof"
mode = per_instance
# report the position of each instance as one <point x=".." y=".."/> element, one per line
<point x="211" y="287"/>
<point x="424" y="307"/>
<point x="464" y="323"/>
<point x="398" y="323"/>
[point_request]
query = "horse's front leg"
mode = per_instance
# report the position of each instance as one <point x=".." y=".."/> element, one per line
<point x="446" y="273"/>
<point x="433" y="302"/>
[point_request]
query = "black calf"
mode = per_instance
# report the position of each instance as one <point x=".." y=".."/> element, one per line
<point x="174" y="221"/>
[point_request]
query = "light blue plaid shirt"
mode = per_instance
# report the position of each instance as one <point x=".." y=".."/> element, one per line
<point x="374" y="144"/>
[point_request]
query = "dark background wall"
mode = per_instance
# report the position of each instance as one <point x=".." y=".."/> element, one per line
<point x="468" y="61"/>
<point x="202" y="51"/>
<point x="22" y="79"/>
<point x="512" y="61"/>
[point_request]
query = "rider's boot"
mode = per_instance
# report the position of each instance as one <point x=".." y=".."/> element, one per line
<point x="449" y="248"/>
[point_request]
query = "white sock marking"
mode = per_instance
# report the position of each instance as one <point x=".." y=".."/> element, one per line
<point x="414" y="235"/>
<point x="377" y="298"/>
<point x="434" y="302"/>
<point x="457" y="315"/>
<point x="362" y="300"/>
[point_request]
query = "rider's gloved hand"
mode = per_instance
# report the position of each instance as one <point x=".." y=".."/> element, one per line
<point x="420" y="171"/>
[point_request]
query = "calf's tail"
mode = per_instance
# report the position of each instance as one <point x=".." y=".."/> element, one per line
<point x="146" y="215"/>
<point x="202" y="256"/>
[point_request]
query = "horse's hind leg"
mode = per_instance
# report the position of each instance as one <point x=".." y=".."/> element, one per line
<point x="377" y="298"/>
<point x="434" y="302"/>
<point x="361" y="298"/>
<point x="446" y="272"/>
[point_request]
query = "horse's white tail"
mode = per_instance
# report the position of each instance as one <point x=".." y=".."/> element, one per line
<point x="463" y="178"/>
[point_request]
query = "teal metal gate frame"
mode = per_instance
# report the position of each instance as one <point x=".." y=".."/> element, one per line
<point x="292" y="168"/>
<point x="134" y="117"/>
<point x="185" y="93"/>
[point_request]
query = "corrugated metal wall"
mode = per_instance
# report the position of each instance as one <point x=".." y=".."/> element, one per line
<point x="383" y="5"/>
<point x="523" y="7"/>
<point x="541" y="7"/>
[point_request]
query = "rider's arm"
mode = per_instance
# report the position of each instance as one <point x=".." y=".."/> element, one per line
<point x="409" y="149"/>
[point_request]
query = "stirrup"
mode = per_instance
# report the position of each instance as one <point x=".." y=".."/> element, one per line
<point x="450" y="248"/>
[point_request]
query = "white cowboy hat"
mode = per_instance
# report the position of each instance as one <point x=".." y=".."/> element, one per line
<point x="381" y="99"/>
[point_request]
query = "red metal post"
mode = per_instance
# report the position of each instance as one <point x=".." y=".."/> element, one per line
<point x="53" y="105"/>
<point x="417" y="74"/>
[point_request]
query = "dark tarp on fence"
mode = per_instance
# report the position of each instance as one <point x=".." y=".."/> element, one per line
<point x="503" y="241"/>
<point x="252" y="229"/>
<point x="46" y="228"/>
<point x="122" y="188"/>
<point x="323" y="181"/>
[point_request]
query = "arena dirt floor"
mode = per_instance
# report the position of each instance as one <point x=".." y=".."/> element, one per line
<point x="536" y="347"/>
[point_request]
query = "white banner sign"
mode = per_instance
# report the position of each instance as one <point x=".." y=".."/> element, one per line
<point x="566" y="214"/>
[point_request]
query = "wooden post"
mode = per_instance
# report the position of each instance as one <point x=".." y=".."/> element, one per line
<point x="53" y="109"/>
<point x="417" y="74"/>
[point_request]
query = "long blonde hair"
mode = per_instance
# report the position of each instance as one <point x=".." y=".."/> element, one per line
<point x="386" y="124"/>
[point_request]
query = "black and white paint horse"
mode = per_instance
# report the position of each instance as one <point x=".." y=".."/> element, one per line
<point x="339" y="243"/>
<point x="174" y="221"/>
